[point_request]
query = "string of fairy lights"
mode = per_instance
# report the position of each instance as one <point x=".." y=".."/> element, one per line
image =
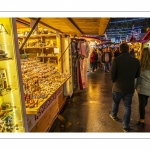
<point x="123" y="27"/>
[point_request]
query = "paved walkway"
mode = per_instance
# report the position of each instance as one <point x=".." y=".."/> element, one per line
<point x="88" y="110"/>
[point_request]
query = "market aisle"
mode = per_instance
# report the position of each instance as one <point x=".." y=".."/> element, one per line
<point x="88" y="110"/>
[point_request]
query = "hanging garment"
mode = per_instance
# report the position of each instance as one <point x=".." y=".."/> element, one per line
<point x="80" y="78"/>
<point x="88" y="64"/>
<point x="87" y="49"/>
<point x="83" y="70"/>
<point x="85" y="73"/>
<point x="78" y="75"/>
<point x="74" y="46"/>
<point x="79" y="47"/>
<point x="74" y="74"/>
<point x="83" y="49"/>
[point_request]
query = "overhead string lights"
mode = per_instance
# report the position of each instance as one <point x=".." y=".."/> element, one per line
<point x="126" y="27"/>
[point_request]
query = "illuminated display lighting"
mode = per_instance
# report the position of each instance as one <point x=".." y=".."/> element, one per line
<point x="5" y="47"/>
<point x="129" y="20"/>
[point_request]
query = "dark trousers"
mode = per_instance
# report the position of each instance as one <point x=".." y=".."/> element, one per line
<point x="92" y="64"/>
<point x="96" y="64"/>
<point x="142" y="104"/>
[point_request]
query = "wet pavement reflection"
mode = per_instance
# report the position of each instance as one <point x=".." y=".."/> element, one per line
<point x="88" y="110"/>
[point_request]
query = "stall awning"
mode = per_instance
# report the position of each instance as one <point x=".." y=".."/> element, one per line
<point x="139" y="39"/>
<point x="146" y="36"/>
<point x="71" y="26"/>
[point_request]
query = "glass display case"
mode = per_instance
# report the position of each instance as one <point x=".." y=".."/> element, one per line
<point x="12" y="109"/>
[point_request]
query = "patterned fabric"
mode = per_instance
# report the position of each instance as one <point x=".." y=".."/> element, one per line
<point x="83" y="69"/>
<point x="80" y="54"/>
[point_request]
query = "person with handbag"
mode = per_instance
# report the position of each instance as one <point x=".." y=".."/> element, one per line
<point x="143" y="85"/>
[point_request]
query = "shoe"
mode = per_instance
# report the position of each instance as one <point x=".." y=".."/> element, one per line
<point x="141" y="124"/>
<point x="126" y="129"/>
<point x="113" y="118"/>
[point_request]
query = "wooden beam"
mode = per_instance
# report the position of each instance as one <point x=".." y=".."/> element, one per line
<point x="23" y="22"/>
<point x="103" y="22"/>
<point x="72" y="25"/>
<point x="42" y="23"/>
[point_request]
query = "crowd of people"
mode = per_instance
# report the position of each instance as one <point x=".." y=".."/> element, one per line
<point x="103" y="58"/>
<point x="127" y="74"/>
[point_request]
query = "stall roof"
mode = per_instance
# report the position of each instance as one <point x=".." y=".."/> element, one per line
<point x="141" y="36"/>
<point x="147" y="36"/>
<point x="72" y="26"/>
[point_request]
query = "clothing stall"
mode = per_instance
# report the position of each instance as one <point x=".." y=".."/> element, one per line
<point x="80" y="53"/>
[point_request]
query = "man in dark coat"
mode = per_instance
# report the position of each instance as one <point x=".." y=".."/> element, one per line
<point x="106" y="59"/>
<point x="124" y="70"/>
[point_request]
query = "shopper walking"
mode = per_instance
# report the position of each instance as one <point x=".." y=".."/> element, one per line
<point x="111" y="54"/>
<point x="132" y="52"/>
<point x="124" y="70"/>
<point x="117" y="52"/>
<point x="99" y="58"/>
<point x="143" y="84"/>
<point x="92" y="61"/>
<point x="106" y="59"/>
<point x="96" y="59"/>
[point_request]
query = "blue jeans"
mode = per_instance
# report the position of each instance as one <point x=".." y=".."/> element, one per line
<point x="106" y="66"/>
<point x="127" y="99"/>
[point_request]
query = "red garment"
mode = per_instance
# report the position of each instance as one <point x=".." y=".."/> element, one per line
<point x="92" y="57"/>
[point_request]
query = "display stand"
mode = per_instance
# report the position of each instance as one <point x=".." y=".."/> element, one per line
<point x="12" y="108"/>
<point x="44" y="78"/>
<point x="43" y="119"/>
<point x="34" y="82"/>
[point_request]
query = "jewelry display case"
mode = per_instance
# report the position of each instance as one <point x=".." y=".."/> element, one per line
<point x="12" y="109"/>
